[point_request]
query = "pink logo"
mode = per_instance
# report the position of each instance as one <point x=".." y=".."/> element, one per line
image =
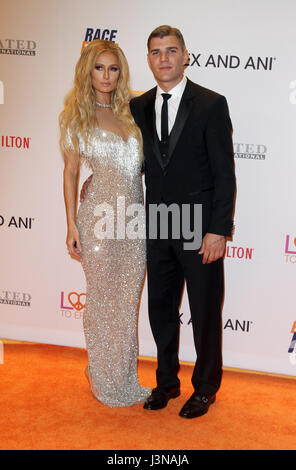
<point x="74" y="299"/>
<point x="290" y="247"/>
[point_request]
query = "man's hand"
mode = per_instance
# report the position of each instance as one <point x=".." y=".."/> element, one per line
<point x="83" y="191"/>
<point x="212" y="248"/>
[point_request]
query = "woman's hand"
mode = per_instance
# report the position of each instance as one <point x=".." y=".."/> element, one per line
<point x="73" y="242"/>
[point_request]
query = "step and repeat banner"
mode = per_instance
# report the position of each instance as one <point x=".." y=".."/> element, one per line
<point x="245" y="52"/>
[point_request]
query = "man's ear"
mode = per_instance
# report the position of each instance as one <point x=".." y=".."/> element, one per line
<point x="187" y="57"/>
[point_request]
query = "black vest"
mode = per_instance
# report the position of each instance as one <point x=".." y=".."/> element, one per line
<point x="164" y="149"/>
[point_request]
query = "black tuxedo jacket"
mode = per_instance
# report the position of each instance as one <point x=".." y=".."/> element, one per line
<point x="200" y="164"/>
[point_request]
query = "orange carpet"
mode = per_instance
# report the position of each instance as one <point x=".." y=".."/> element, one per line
<point x="46" y="404"/>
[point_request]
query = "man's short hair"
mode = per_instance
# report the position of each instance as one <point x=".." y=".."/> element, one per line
<point x="165" y="30"/>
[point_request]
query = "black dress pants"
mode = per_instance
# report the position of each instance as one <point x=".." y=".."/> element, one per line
<point x="168" y="266"/>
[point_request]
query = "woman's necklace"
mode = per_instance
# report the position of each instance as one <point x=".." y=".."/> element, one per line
<point x="103" y="105"/>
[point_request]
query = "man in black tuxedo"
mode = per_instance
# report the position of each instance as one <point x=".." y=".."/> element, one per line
<point x="187" y="138"/>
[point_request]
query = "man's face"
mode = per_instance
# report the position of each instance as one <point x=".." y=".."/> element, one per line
<point x="166" y="59"/>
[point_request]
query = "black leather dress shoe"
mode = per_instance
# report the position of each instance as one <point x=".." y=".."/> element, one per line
<point x="197" y="405"/>
<point x="159" y="398"/>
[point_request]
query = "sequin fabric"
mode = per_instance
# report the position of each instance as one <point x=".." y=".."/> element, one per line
<point x="114" y="270"/>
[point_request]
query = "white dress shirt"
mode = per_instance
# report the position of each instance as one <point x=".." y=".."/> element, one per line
<point x="173" y="104"/>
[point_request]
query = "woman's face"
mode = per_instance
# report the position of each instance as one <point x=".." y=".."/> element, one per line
<point x="105" y="74"/>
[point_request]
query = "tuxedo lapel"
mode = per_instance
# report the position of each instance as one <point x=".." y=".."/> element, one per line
<point x="151" y="126"/>
<point x="184" y="110"/>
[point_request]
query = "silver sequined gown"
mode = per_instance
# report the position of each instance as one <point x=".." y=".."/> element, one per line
<point x="114" y="270"/>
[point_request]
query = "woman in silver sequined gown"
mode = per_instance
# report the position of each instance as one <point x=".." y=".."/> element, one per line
<point x="113" y="262"/>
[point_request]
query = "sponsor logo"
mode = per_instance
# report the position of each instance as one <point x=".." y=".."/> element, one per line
<point x="99" y="33"/>
<point x="72" y="305"/>
<point x="21" y="299"/>
<point x="11" y="141"/>
<point x="239" y="252"/>
<point x="290" y="249"/>
<point x="1" y="92"/>
<point x="18" y="47"/>
<point x="232" y="62"/>
<point x="18" y="222"/>
<point x="292" y="347"/>
<point x="229" y="324"/>
<point x="238" y="325"/>
<point x="292" y="96"/>
<point x="250" y="151"/>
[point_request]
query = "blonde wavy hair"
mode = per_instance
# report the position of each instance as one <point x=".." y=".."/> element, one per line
<point x="78" y="115"/>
